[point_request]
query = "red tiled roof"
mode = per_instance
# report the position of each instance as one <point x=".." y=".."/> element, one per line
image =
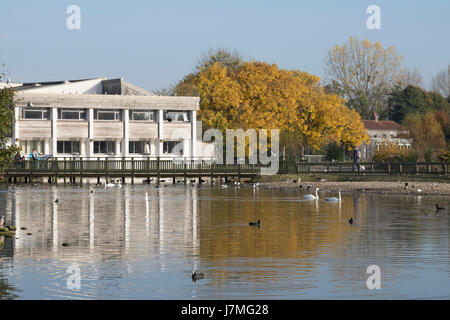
<point x="381" y="125"/>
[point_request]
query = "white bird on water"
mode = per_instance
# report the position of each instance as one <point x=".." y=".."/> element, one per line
<point x="310" y="196"/>
<point x="333" y="199"/>
<point x="109" y="185"/>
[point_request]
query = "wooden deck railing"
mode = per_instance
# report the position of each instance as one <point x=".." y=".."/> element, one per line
<point x="194" y="166"/>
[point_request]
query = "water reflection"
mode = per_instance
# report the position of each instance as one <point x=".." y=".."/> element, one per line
<point x="128" y="247"/>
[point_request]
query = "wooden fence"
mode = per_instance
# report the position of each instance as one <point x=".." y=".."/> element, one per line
<point x="202" y="167"/>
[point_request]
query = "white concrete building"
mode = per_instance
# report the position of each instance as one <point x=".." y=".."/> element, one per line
<point x="97" y="118"/>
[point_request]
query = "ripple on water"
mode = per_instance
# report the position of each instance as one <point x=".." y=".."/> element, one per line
<point x="127" y="248"/>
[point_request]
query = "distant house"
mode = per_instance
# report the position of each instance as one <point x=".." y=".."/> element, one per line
<point x="381" y="132"/>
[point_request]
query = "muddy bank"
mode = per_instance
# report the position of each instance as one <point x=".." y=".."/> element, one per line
<point x="380" y="187"/>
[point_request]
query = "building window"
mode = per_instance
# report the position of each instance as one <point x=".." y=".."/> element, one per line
<point x="142" y="115"/>
<point x="168" y="147"/>
<point x="72" y="114"/>
<point x="35" y="113"/>
<point x="69" y="147"/>
<point x="28" y="146"/>
<point x="105" y="147"/>
<point x="176" y="116"/>
<point x="112" y="115"/>
<point x="142" y="147"/>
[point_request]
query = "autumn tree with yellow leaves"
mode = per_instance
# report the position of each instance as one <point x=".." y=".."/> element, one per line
<point x="258" y="95"/>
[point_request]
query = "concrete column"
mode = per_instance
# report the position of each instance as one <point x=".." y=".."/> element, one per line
<point x="83" y="147"/>
<point x="193" y="133"/>
<point x="126" y="132"/>
<point x="54" y="119"/>
<point x="187" y="148"/>
<point x="160" y="118"/>
<point x="90" y="140"/>
<point x="118" y="142"/>
<point x="15" y="133"/>
<point x="46" y="146"/>
<point x="153" y="147"/>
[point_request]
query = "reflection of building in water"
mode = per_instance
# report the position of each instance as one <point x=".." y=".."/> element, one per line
<point x="109" y="223"/>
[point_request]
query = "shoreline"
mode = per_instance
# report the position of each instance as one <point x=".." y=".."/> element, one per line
<point x="376" y="187"/>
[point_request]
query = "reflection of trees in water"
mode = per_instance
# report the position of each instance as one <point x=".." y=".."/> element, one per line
<point x="289" y="229"/>
<point x="6" y="290"/>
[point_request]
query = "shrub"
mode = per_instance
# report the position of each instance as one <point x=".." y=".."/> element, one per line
<point x="445" y="156"/>
<point x="334" y="151"/>
<point x="390" y="152"/>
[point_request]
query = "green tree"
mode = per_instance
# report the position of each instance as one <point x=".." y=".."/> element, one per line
<point x="6" y="124"/>
<point x="334" y="151"/>
<point x="413" y="99"/>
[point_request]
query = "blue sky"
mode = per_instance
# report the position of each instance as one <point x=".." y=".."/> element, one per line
<point x="156" y="43"/>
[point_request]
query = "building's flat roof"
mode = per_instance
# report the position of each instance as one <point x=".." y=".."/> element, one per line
<point x="98" y="93"/>
<point x="104" y="101"/>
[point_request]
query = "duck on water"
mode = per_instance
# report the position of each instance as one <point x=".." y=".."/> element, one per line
<point x="197" y="276"/>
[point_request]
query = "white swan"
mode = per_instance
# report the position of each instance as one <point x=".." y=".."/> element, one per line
<point x="311" y="196"/>
<point x="333" y="199"/>
<point x="109" y="185"/>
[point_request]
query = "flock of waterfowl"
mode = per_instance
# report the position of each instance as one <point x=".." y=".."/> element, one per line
<point x="310" y="196"/>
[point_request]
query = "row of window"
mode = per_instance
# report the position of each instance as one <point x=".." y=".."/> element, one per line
<point x="111" y="115"/>
<point x="101" y="147"/>
<point x="384" y="136"/>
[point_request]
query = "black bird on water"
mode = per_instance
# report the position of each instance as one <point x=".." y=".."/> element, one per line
<point x="56" y="200"/>
<point x="439" y="208"/>
<point x="351" y="220"/>
<point x="197" y="276"/>
<point x="257" y="224"/>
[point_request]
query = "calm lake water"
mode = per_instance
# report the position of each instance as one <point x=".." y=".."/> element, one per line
<point x="128" y="248"/>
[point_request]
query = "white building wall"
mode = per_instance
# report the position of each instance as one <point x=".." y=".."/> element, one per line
<point x="90" y="130"/>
